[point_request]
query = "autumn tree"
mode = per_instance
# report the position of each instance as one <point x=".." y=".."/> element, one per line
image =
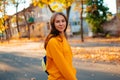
<point x="3" y="26"/>
<point x="16" y="3"/>
<point x="79" y="7"/>
<point x="55" y="5"/>
<point x="60" y="5"/>
<point x="96" y="15"/>
<point x="30" y="20"/>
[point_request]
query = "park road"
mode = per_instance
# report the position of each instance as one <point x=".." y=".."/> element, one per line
<point x="22" y="61"/>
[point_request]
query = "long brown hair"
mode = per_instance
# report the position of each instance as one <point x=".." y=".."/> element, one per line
<point x="54" y="32"/>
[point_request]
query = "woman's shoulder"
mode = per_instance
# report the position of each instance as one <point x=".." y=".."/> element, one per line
<point x="53" y="40"/>
<point x="57" y="39"/>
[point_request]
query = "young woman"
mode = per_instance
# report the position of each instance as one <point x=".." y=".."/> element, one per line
<point x="59" y="55"/>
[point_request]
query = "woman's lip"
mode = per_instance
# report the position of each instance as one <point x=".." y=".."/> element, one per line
<point x="61" y="28"/>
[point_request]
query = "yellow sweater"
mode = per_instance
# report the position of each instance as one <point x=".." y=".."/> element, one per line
<point x="59" y="59"/>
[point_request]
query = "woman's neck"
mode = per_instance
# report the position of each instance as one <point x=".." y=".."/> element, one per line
<point x="62" y="34"/>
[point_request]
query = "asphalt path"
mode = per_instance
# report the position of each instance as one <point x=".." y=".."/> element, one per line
<point x="24" y="63"/>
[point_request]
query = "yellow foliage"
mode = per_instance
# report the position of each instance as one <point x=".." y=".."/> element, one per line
<point x="45" y="1"/>
<point x="54" y="7"/>
<point x="2" y="28"/>
<point x="41" y="5"/>
<point x="57" y="7"/>
<point x="88" y="8"/>
<point x="5" y="17"/>
<point x="60" y="10"/>
<point x="1" y="21"/>
<point x="35" y="2"/>
<point x="51" y="1"/>
<point x="68" y="4"/>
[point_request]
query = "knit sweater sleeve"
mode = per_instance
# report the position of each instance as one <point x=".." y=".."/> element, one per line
<point x="55" y="51"/>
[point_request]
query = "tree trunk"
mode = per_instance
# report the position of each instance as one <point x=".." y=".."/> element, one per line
<point x="50" y="9"/>
<point x="9" y="29"/>
<point x="17" y="21"/>
<point x="28" y="25"/>
<point x="68" y="12"/>
<point x="81" y="24"/>
<point x="5" y="21"/>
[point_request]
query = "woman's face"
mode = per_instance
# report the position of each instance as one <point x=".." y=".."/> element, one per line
<point x="60" y="23"/>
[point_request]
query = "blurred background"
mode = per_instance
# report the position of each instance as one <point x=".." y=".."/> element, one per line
<point x="30" y="18"/>
<point x="93" y="33"/>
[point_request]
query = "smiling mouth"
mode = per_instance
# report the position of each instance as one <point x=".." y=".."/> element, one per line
<point x="61" y="28"/>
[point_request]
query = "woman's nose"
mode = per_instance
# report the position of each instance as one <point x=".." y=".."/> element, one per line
<point x="61" y="23"/>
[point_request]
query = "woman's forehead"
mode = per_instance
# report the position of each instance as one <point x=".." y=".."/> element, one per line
<point x="59" y="17"/>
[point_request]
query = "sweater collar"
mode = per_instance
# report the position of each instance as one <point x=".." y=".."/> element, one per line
<point x="60" y="37"/>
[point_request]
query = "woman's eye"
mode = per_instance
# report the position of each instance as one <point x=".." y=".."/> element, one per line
<point x="63" y="20"/>
<point x="57" y="21"/>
